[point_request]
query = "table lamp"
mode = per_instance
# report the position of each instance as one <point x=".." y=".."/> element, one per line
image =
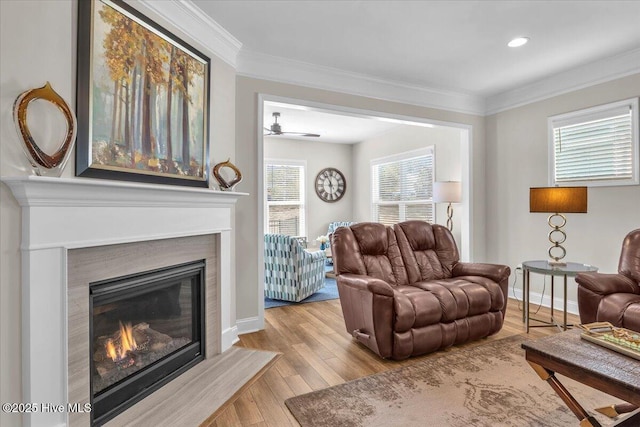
<point x="447" y="192"/>
<point x="556" y="201"/>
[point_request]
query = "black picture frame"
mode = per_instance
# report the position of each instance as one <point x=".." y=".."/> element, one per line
<point x="141" y="93"/>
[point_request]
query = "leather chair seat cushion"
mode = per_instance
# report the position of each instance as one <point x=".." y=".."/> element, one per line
<point x="440" y="301"/>
<point x="621" y="309"/>
<point x="464" y="296"/>
<point x="415" y="308"/>
<point x="491" y="287"/>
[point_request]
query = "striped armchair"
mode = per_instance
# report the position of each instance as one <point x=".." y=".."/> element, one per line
<point x="290" y="272"/>
<point x="333" y="225"/>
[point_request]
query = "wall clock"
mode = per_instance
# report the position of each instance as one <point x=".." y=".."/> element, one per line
<point x="330" y="185"/>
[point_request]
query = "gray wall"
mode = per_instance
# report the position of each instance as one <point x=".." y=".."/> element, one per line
<point x="517" y="158"/>
<point x="318" y="155"/>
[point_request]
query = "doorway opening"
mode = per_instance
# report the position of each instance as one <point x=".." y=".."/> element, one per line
<point x="321" y="136"/>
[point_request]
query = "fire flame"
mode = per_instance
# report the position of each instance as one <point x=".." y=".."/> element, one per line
<point x="127" y="343"/>
<point x="111" y="350"/>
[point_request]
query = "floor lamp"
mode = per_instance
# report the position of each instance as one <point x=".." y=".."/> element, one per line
<point x="447" y="192"/>
<point x="556" y="201"/>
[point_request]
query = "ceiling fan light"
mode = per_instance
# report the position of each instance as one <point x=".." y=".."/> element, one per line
<point x="518" y="41"/>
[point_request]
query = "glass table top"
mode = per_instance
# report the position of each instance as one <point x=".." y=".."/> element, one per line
<point x="571" y="268"/>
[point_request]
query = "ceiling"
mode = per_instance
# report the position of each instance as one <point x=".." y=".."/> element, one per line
<point x="333" y="127"/>
<point x="447" y="47"/>
<point x="458" y="46"/>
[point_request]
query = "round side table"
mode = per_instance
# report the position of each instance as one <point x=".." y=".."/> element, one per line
<point x="545" y="268"/>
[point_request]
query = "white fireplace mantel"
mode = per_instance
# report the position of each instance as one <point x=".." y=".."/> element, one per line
<point x="44" y="191"/>
<point x="59" y="214"/>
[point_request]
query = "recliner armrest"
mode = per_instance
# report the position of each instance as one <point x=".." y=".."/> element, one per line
<point x="367" y="283"/>
<point x="605" y="284"/>
<point x="495" y="272"/>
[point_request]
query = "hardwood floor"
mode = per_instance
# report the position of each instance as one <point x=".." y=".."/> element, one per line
<point x="317" y="352"/>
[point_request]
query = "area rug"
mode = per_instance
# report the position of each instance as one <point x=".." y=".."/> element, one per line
<point x="330" y="291"/>
<point x="486" y="386"/>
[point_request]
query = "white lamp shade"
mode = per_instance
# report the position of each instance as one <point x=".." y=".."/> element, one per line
<point x="447" y="192"/>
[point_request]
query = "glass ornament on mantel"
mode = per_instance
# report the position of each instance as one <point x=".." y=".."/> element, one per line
<point x="227" y="183"/>
<point x="44" y="164"/>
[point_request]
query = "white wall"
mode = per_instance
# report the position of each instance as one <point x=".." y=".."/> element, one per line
<point x="318" y="155"/>
<point x="37" y="41"/>
<point x="38" y="44"/>
<point x="517" y="159"/>
<point x="446" y="142"/>
<point x="247" y="98"/>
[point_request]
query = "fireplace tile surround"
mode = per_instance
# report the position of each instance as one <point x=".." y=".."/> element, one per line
<point x="64" y="217"/>
<point x="88" y="265"/>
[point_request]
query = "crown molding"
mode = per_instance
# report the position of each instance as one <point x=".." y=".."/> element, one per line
<point x="199" y="26"/>
<point x="268" y="67"/>
<point x="591" y="74"/>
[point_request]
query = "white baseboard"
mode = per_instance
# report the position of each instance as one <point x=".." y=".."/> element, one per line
<point x="535" y="298"/>
<point x="229" y="338"/>
<point x="250" y="324"/>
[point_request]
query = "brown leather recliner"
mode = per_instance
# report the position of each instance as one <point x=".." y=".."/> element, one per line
<point x="614" y="298"/>
<point x="404" y="291"/>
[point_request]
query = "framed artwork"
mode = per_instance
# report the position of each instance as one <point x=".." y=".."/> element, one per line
<point x="142" y="99"/>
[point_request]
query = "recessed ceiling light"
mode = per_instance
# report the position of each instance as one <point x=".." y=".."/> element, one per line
<point x="518" y="41"/>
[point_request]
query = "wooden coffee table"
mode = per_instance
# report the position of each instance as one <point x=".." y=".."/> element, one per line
<point x="598" y="367"/>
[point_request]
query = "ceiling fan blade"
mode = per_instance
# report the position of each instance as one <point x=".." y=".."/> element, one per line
<point x="276" y="129"/>
<point x="314" y="135"/>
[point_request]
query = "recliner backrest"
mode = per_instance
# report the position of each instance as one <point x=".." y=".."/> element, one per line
<point x="368" y="249"/>
<point x="629" y="264"/>
<point x="429" y="250"/>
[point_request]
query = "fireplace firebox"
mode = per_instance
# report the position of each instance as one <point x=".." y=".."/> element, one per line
<point x="146" y="329"/>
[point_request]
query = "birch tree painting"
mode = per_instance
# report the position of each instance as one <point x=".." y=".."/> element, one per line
<point x="149" y="98"/>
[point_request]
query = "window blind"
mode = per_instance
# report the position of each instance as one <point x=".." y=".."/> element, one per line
<point x="403" y="188"/>
<point x="595" y="148"/>
<point x="283" y="183"/>
<point x="285" y="199"/>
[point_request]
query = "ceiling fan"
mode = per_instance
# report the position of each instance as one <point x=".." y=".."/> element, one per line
<point x="275" y="129"/>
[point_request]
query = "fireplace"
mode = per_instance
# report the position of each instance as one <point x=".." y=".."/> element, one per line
<point x="80" y="231"/>
<point x="145" y="330"/>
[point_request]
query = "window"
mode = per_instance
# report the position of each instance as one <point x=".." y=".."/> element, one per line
<point x="402" y="187"/>
<point x="284" y="182"/>
<point x="596" y="146"/>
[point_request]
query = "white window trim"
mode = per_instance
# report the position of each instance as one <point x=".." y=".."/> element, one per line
<point x="303" y="191"/>
<point x="594" y="113"/>
<point x="431" y="149"/>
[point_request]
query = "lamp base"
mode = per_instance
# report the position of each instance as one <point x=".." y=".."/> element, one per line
<point x="557" y="263"/>
<point x="450" y="217"/>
